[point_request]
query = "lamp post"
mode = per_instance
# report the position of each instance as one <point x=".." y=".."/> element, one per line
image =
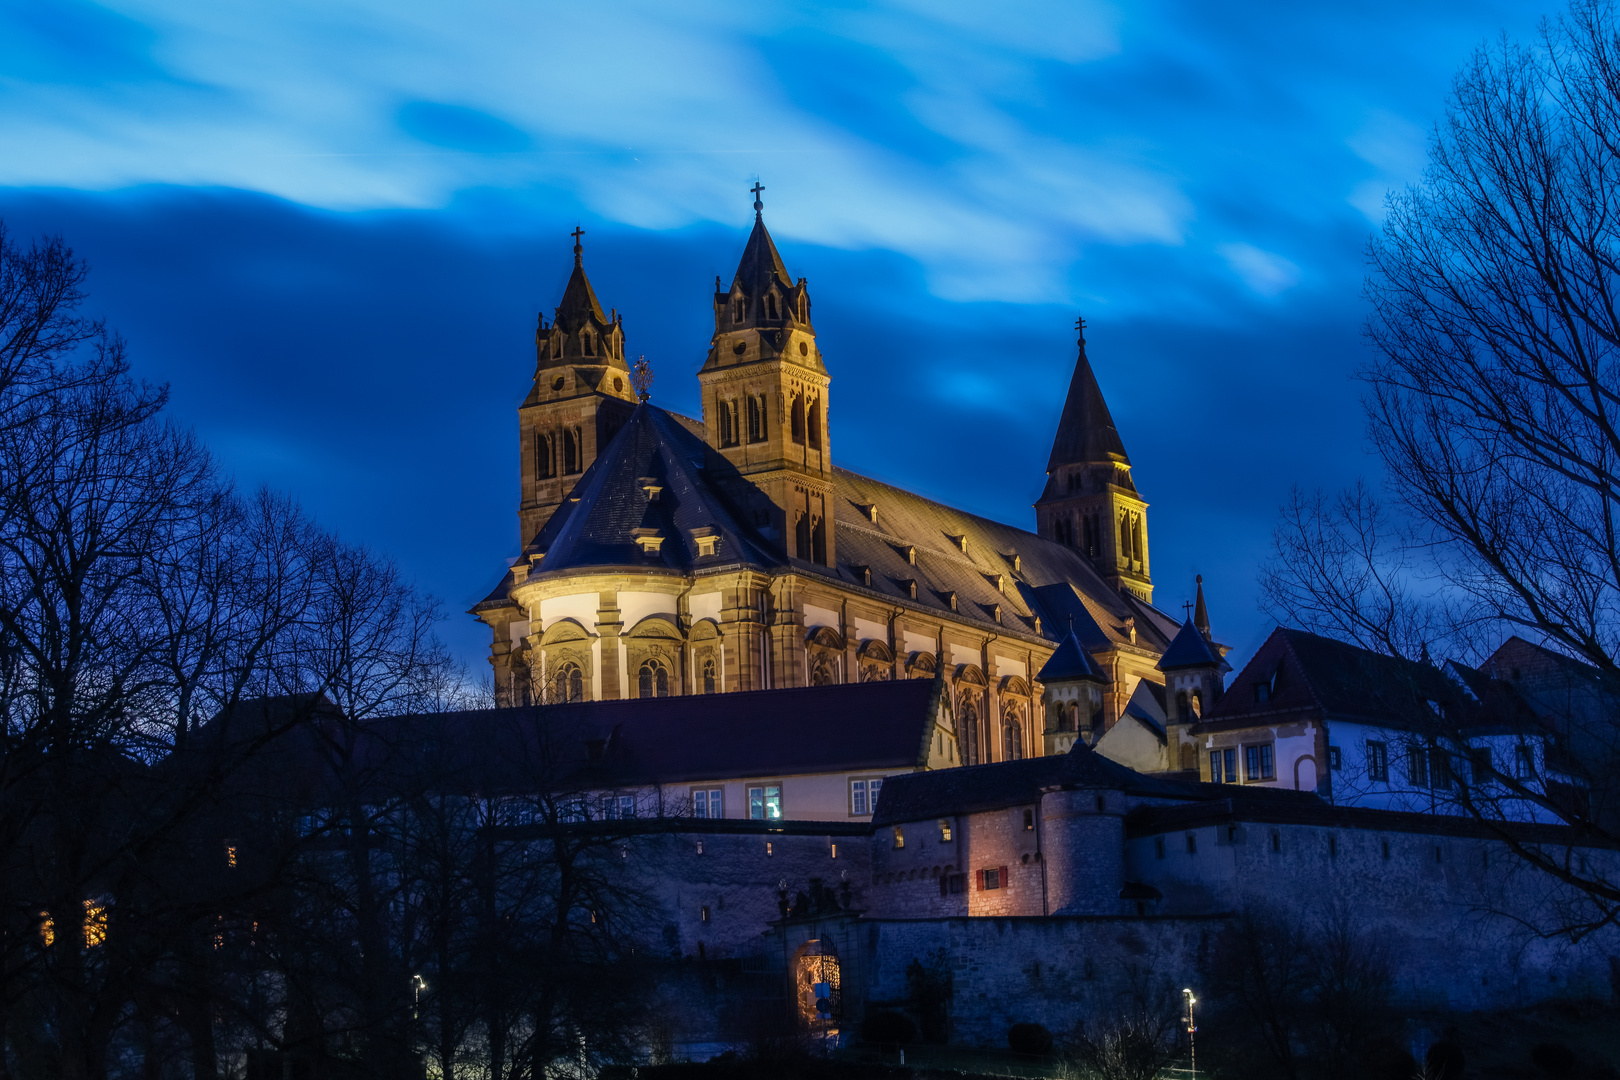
<point x="418" y="984"/>
<point x="1192" y="1029"/>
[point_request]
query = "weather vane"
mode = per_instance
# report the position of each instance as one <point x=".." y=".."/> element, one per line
<point x="641" y="377"/>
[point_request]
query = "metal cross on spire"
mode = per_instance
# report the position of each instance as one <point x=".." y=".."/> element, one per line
<point x="1080" y="328"/>
<point x="756" y="189"/>
<point x="579" y="250"/>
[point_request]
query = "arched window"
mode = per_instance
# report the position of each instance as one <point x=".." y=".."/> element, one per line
<point x="653" y="681"/>
<point x="820" y="672"/>
<point x="728" y="423"/>
<point x="737" y="312"/>
<point x="1125" y="536"/>
<point x="813" y="425"/>
<point x="798" y="420"/>
<point x="968" y="719"/>
<point x="770" y="304"/>
<point x="569" y="684"/>
<point x="1197" y="701"/>
<point x="1012" y="737"/>
<point x="801" y="536"/>
<point x="708" y="676"/>
<point x="1183" y="706"/>
<point x="545" y="456"/>
<point x="586" y="344"/>
<point x="818" y="542"/>
<point x="756" y="418"/>
<point x="571" y="451"/>
<point x="1136" y="537"/>
<point x="1065" y="717"/>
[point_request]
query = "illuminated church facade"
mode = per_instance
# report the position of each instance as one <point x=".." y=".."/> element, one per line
<point x="665" y="555"/>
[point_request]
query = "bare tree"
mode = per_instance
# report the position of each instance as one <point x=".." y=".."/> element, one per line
<point x="1494" y="406"/>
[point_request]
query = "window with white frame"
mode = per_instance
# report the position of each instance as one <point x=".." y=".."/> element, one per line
<point x="863" y="795"/>
<point x="615" y="807"/>
<point x="708" y="803"/>
<point x="765" y="802"/>
<point x="1259" y="762"/>
<point x="1377" y="760"/>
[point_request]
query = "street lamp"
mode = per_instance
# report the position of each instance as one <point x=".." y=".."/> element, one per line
<point x="1192" y="1029"/>
<point x="418" y="984"/>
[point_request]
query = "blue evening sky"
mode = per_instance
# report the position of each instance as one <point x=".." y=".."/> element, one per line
<point x="329" y="224"/>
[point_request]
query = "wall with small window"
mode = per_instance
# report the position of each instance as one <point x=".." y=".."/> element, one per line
<point x="984" y="864"/>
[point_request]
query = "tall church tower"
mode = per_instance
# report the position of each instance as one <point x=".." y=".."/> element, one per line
<point x="1090" y="501"/>
<point x="765" y="399"/>
<point x="580" y="399"/>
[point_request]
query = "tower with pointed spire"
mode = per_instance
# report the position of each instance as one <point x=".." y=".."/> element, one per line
<point x="1195" y="670"/>
<point x="582" y="395"/>
<point x="765" y="400"/>
<point x="1090" y="501"/>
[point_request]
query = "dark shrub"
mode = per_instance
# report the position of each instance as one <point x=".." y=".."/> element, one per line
<point x="1031" y="1039"/>
<point x="1554" y="1059"/>
<point x="893" y="1028"/>
<point x="1444" y="1061"/>
<point x="1383" y="1058"/>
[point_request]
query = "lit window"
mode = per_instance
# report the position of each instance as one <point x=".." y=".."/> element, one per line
<point x="47" y="929"/>
<point x="95" y="923"/>
<point x="703" y="914"/>
<point x="230" y="855"/>
<point x="944" y="830"/>
<point x="899" y="837"/>
<point x="1029" y="821"/>
<point x="765" y="802"/>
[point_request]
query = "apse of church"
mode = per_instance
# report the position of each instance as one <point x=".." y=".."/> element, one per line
<point x="667" y="555"/>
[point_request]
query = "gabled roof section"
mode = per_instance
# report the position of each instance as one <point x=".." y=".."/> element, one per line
<point x="1302" y="671"/>
<point x="760" y="262"/>
<point x="579" y="303"/>
<point x="1071" y="662"/>
<point x="1085" y="431"/>
<point x="1191" y="649"/>
<point x="614" y="505"/>
<point x="962" y="553"/>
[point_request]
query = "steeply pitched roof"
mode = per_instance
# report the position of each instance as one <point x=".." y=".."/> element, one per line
<point x="1190" y="649"/>
<point x="1085" y="431"/>
<point x="760" y="262"/>
<point x="1050" y="580"/>
<point x="1071" y="661"/>
<point x="611" y="503"/>
<point x="579" y="302"/>
<point x="1304" y="671"/>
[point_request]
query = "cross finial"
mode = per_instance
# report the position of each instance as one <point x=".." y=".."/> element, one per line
<point x="1186" y="605"/>
<point x="756" y="189"/>
<point x="1080" y="328"/>
<point x="579" y="250"/>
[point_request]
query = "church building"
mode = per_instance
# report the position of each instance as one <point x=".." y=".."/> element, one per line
<point x="665" y="555"/>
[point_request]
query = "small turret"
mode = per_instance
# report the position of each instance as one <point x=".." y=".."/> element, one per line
<point x="1195" y="676"/>
<point x="1072" y="695"/>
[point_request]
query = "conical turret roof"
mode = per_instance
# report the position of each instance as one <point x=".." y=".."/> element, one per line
<point x="1191" y="649"/>
<point x="760" y="261"/>
<point x="1086" y="431"/>
<point x="1071" y="661"/>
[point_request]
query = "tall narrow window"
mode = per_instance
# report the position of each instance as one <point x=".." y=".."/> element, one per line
<point x="756" y="418"/>
<point x="653" y="680"/>
<point x="586" y="345"/>
<point x="571" y="451"/>
<point x="770" y="305"/>
<point x="1012" y="735"/>
<point x="1125" y="537"/>
<point x="818" y="542"/>
<point x="728" y="424"/>
<point x="801" y="536"/>
<point x="969" y="713"/>
<point x="813" y="425"/>
<point x="820" y="672"/>
<point x="1377" y="761"/>
<point x="708" y="676"/>
<point x="545" y="461"/>
<point x="798" y="420"/>
<point x="737" y="312"/>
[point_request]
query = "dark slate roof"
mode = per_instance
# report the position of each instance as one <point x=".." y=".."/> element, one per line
<point x="1308" y="672"/>
<point x="759" y="263"/>
<point x="579" y="303"/>
<point x="1191" y="649"/>
<point x="601" y="744"/>
<point x="1085" y="431"/>
<point x="1072" y="661"/>
<point x="596" y="527"/>
<point x="969" y="789"/>
<point x="1053" y="581"/>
